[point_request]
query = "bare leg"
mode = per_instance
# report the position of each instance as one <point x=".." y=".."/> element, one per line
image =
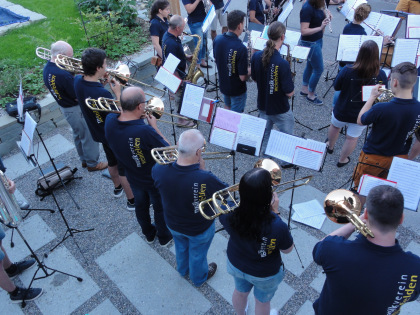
<point x="240" y="300"/>
<point x="333" y="133"/>
<point x="5" y="282"/>
<point x="126" y="187"/>
<point x="113" y="171"/>
<point x="348" y="148"/>
<point x="305" y="89"/>
<point x="262" y="308"/>
<point x="311" y="95"/>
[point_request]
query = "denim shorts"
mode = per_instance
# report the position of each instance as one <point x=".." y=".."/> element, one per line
<point x="2" y="236"/>
<point x="264" y="288"/>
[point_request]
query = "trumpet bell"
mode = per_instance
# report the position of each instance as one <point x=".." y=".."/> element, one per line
<point x="339" y="202"/>
<point x="272" y="167"/>
<point x="156" y="107"/>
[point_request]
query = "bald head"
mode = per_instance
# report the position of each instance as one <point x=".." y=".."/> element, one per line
<point x="62" y="48"/>
<point x="176" y="21"/>
<point x="131" y="97"/>
<point x="189" y="142"/>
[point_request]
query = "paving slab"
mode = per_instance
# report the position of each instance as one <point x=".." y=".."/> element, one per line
<point x="318" y="282"/>
<point x="7" y="307"/>
<point x="62" y="292"/>
<point x="306" y="309"/>
<point x="35" y="231"/>
<point x="414" y="248"/>
<point x="16" y="164"/>
<point x="412" y="220"/>
<point x="411" y="308"/>
<point x="105" y="308"/>
<point x="145" y="283"/>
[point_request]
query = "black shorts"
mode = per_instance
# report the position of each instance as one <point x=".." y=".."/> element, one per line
<point x="112" y="160"/>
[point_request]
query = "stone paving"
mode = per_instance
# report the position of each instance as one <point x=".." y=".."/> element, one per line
<point x="122" y="274"/>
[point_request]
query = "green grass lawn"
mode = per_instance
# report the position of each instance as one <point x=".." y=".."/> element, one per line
<point x="62" y="23"/>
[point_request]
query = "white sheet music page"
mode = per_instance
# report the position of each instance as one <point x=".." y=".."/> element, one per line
<point x="310" y="155"/>
<point x="292" y="39"/>
<point x="254" y="36"/>
<point x="300" y="52"/>
<point x="373" y="21"/>
<point x="387" y="24"/>
<point x="367" y="182"/>
<point x="287" y="9"/>
<point x="251" y="132"/>
<point x="348" y="47"/>
<point x="315" y="221"/>
<point x="26" y="142"/>
<point x="191" y="103"/>
<point x="377" y="39"/>
<point x="349" y="7"/>
<point x="308" y="209"/>
<point x="405" y="50"/>
<point x="282" y="146"/>
<point x="406" y="173"/>
<point x="413" y="26"/>
<point x="260" y="43"/>
<point x="225" y="128"/>
<point x="209" y="18"/>
<point x="169" y="80"/>
<point x="171" y="63"/>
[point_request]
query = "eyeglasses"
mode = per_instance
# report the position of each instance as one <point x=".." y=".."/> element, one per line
<point x="203" y="148"/>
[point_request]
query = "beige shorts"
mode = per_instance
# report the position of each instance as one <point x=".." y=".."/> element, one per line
<point x="222" y="20"/>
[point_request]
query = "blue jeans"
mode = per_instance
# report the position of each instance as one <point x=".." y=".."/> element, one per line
<point x="314" y="64"/>
<point x="236" y="103"/>
<point x="196" y="28"/>
<point x="191" y="254"/>
<point x="264" y="288"/>
<point x="142" y="199"/>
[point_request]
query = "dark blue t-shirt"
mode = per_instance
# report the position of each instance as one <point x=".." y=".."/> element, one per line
<point x="198" y="15"/>
<point x="131" y="142"/>
<point x="350" y="102"/>
<point x="392" y="123"/>
<point x="172" y="45"/>
<point x="158" y="27"/>
<point x="182" y="188"/>
<point x="94" y="119"/>
<point x="232" y="61"/>
<point x="308" y="14"/>
<point x="60" y="83"/>
<point x="364" y="278"/>
<point x="258" y="259"/>
<point x="218" y="4"/>
<point x="257" y="6"/>
<point x="273" y="83"/>
<point x="353" y="29"/>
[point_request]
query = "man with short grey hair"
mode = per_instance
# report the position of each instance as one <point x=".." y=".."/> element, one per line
<point x="60" y="83"/>
<point x="183" y="185"/>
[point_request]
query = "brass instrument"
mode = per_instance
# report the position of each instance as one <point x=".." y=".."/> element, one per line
<point x="9" y="207"/>
<point x="249" y="50"/>
<point x="270" y="14"/>
<point x="194" y="74"/>
<point x="154" y="106"/>
<point x="167" y="155"/>
<point x="220" y="202"/>
<point x="343" y="206"/>
<point x="43" y="53"/>
<point x="385" y="96"/>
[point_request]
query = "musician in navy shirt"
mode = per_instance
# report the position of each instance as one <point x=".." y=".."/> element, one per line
<point x="159" y="23"/>
<point x="232" y="62"/>
<point x="257" y="236"/>
<point x="368" y="275"/>
<point x="274" y="81"/>
<point x="132" y="140"/>
<point x="393" y="123"/>
<point x="183" y="185"/>
<point x="256" y="11"/>
<point x="88" y="86"/>
<point x="60" y="83"/>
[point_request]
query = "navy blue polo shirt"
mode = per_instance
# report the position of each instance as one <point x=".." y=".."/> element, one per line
<point x="218" y="4"/>
<point x="94" y="119"/>
<point x="258" y="258"/>
<point x="392" y="123"/>
<point x="198" y="15"/>
<point x="353" y="29"/>
<point x="158" y="27"/>
<point x="182" y="188"/>
<point x="232" y="61"/>
<point x="350" y="102"/>
<point x="308" y="14"/>
<point x="387" y="278"/>
<point x="131" y="141"/>
<point x="273" y="83"/>
<point x="172" y="45"/>
<point x="60" y="83"/>
<point x="257" y="6"/>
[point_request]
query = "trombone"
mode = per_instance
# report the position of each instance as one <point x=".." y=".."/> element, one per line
<point x="154" y="106"/>
<point x="167" y="155"/>
<point x="224" y="201"/>
<point x="342" y="206"/>
<point x="43" y="53"/>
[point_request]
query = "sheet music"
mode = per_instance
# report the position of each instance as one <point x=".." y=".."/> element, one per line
<point x="171" y="63"/>
<point x="264" y="33"/>
<point x="348" y="8"/>
<point x="251" y="132"/>
<point x="387" y="24"/>
<point x="259" y="43"/>
<point x="227" y="119"/>
<point x="308" y="209"/>
<point x="372" y="20"/>
<point x="26" y="142"/>
<point x="348" y="47"/>
<point x="292" y="39"/>
<point x="254" y="36"/>
<point x="282" y="146"/>
<point x="315" y="221"/>
<point x="300" y="52"/>
<point x="224" y="10"/>
<point x="169" y="80"/>
<point x="223" y="138"/>
<point x="207" y="109"/>
<point x="367" y="90"/>
<point x="406" y="173"/>
<point x="209" y="18"/>
<point x="191" y="103"/>
<point x="307" y="158"/>
<point x="367" y="182"/>
<point x="405" y="50"/>
<point x="287" y="9"/>
<point x="413" y="26"/>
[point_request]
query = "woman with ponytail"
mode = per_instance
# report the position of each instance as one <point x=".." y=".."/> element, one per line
<point x="159" y="23"/>
<point x="274" y="82"/>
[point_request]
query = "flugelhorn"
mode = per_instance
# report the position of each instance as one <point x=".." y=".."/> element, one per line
<point x="9" y="207"/>
<point x="224" y="201"/>
<point x="385" y="96"/>
<point x="343" y="206"/>
<point x="167" y="155"/>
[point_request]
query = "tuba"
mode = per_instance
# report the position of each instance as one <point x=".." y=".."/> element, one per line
<point x="9" y="207"/>
<point x="194" y="74"/>
<point x="342" y="206"/>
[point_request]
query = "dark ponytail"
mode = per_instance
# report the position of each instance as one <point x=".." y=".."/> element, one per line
<point x="275" y="31"/>
<point x="158" y="5"/>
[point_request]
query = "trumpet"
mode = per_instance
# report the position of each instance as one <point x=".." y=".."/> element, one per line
<point x="342" y="206"/>
<point x="224" y="201"/>
<point x="167" y="155"/>
<point x="154" y="106"/>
